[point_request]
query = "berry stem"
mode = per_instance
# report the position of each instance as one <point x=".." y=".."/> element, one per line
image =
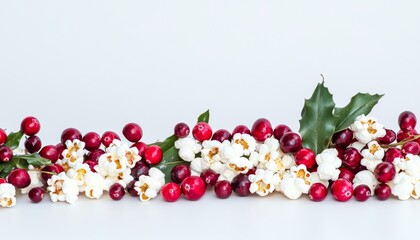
<point x="412" y="138"/>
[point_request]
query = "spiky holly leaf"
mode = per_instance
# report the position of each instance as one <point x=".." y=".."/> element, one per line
<point x="13" y="139"/>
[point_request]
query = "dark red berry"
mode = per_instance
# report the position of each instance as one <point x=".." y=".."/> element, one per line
<point x="132" y="132"/>
<point x="180" y="172"/>
<point x="70" y="134"/>
<point x="407" y="121"/>
<point x="362" y="193"/>
<point x="280" y="130"/>
<point x="404" y="136"/>
<point x="240" y="185"/>
<point x="385" y="172"/>
<point x="389" y="137"/>
<point x="411" y="148"/>
<point x="33" y="144"/>
<point x="351" y="158"/>
<point x="306" y="157"/>
<point x="131" y="189"/>
<point x="242" y="129"/>
<point x="290" y="142"/>
<point x="210" y="177"/>
<point x="92" y="141"/>
<point x="141" y="146"/>
<point x="153" y="155"/>
<point x="223" y="189"/>
<point x="60" y="149"/>
<point x="95" y="155"/>
<point x="2" y="180"/>
<point x="108" y="137"/>
<point x="30" y="126"/>
<point x="346" y="174"/>
<point x="202" y="132"/>
<point x="193" y="188"/>
<point x="342" y="190"/>
<point x="36" y="194"/>
<point x="116" y="191"/>
<point x="343" y="138"/>
<point x="49" y="152"/>
<point x="221" y="135"/>
<point x="382" y="191"/>
<point x="3" y="136"/>
<point x="6" y="154"/>
<point x="262" y="130"/>
<point x="317" y="192"/>
<point x="19" y="178"/>
<point x="91" y="164"/>
<point x="392" y="154"/>
<point x="48" y="171"/>
<point x="181" y="130"/>
<point x="170" y="192"/>
<point x="141" y="168"/>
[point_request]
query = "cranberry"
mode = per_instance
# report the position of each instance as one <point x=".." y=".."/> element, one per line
<point x="385" y="172"/>
<point x="261" y="129"/>
<point x="411" y="147"/>
<point x="180" y="172"/>
<point x="181" y="130"/>
<point x="209" y="177"/>
<point x="70" y="134"/>
<point x="48" y="171"/>
<point x="202" y="131"/>
<point x="116" y="191"/>
<point x="2" y="180"/>
<point x="19" y="178"/>
<point x="342" y="190"/>
<point x="141" y="168"/>
<point x="404" y="136"/>
<point x="95" y="155"/>
<point x="6" y="153"/>
<point x="131" y="189"/>
<point x="108" y="137"/>
<point x="392" y="154"/>
<point x="132" y="132"/>
<point x="241" y="184"/>
<point x="3" y="136"/>
<point x="153" y="155"/>
<point x="30" y="126"/>
<point x="36" y="194"/>
<point x="359" y="169"/>
<point x="352" y="158"/>
<point x="251" y="171"/>
<point x="318" y="192"/>
<point x="382" y="191"/>
<point x="306" y="157"/>
<point x="362" y="193"/>
<point x="242" y="129"/>
<point x="389" y="137"/>
<point x="91" y="164"/>
<point x="340" y="152"/>
<point x="49" y="152"/>
<point x="407" y="121"/>
<point x="343" y="138"/>
<point x="141" y="146"/>
<point x="170" y="192"/>
<point x="223" y="189"/>
<point x="346" y="174"/>
<point x="60" y="149"/>
<point x="193" y="188"/>
<point x="280" y="130"/>
<point x="92" y="141"/>
<point x="33" y="144"/>
<point x="222" y="135"/>
<point x="290" y="142"/>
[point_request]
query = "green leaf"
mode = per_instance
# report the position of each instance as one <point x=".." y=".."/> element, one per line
<point x="318" y="122"/>
<point x="13" y="139"/>
<point x="167" y="144"/>
<point x="204" y="117"/>
<point x="169" y="161"/>
<point x="361" y="103"/>
<point x="33" y="159"/>
<point x="6" y="168"/>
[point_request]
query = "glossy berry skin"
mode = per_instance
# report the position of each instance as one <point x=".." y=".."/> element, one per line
<point x="404" y="136"/>
<point x="116" y="191"/>
<point x="202" y="132"/>
<point x="30" y="126"/>
<point x="280" y="130"/>
<point x="6" y="154"/>
<point x="389" y="137"/>
<point x="343" y="138"/>
<point x="2" y="180"/>
<point x="47" y="170"/>
<point x="262" y="130"/>
<point x="131" y="189"/>
<point x="346" y="174"/>
<point x="351" y="158"/>
<point x="193" y="188"/>
<point x="49" y="152"/>
<point x="385" y="172"/>
<point x="95" y="155"/>
<point x="92" y="141"/>
<point x="342" y="190"/>
<point x="223" y="189"/>
<point x="108" y="137"/>
<point x="240" y="185"/>
<point x="3" y="136"/>
<point x="221" y="135"/>
<point x="210" y="177"/>
<point x="36" y="194"/>
<point x="382" y="191"/>
<point x="70" y="134"/>
<point x="33" y="144"/>
<point x="407" y="121"/>
<point x="153" y="155"/>
<point x="391" y="154"/>
<point x="317" y="192"/>
<point x="306" y="157"/>
<point x="132" y="132"/>
<point x="141" y="146"/>
<point x="242" y="129"/>
<point x="179" y="173"/>
<point x="141" y="168"/>
<point x="60" y="149"/>
<point x="411" y="148"/>
<point x="362" y="193"/>
<point x="91" y="164"/>
<point x="181" y="130"/>
<point x="291" y="142"/>
<point x="170" y="192"/>
<point x="19" y="178"/>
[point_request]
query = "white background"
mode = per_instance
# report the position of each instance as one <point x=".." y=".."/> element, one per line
<point x="96" y="65"/>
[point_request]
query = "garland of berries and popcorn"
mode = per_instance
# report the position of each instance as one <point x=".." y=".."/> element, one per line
<point x="337" y="150"/>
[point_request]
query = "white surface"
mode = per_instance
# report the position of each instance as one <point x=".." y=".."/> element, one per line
<point x="97" y="65"/>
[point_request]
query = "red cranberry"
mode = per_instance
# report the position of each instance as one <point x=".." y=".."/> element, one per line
<point x="153" y="155"/>
<point x="223" y="189"/>
<point x="60" y="149"/>
<point x="132" y="132"/>
<point x="36" y="194"/>
<point x="359" y="169"/>
<point x="116" y="191"/>
<point x="180" y="172"/>
<point x="141" y="168"/>
<point x="209" y="177"/>
<point x="242" y="129"/>
<point x="193" y="188"/>
<point x="404" y="136"/>
<point x="346" y="174"/>
<point x="30" y="126"/>
<point x="131" y="189"/>
<point x="141" y="146"/>
<point x="343" y="138"/>
<point x="92" y="141"/>
<point x="392" y="154"/>
<point x="389" y="137"/>
<point x="108" y="137"/>
<point x="290" y="142"/>
<point x="49" y="152"/>
<point x="306" y="157"/>
<point x="240" y="185"/>
<point x="2" y="180"/>
<point x="352" y="158"/>
<point x="362" y="193"/>
<point x="202" y="131"/>
<point x="6" y="153"/>
<point x="33" y="144"/>
<point x="170" y="192"/>
<point x="382" y="191"/>
<point x="95" y="155"/>
<point x="280" y="130"/>
<point x="19" y="178"/>
<point x="91" y="164"/>
<point x="70" y="134"/>
<point x="407" y="121"/>
<point x="262" y="130"/>
<point x="251" y="171"/>
<point x="385" y="172"/>
<point x="48" y="171"/>
<point x="222" y="135"/>
<point x="181" y="130"/>
<point x="411" y="147"/>
<point x="342" y="190"/>
<point x="3" y="136"/>
<point x="318" y="192"/>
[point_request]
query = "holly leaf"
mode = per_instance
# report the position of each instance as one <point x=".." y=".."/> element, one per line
<point x="6" y="168"/>
<point x="170" y="160"/>
<point x="318" y="122"/>
<point x="204" y="117"/>
<point x="167" y="144"/>
<point x="33" y="159"/>
<point x="361" y="103"/>
<point x="13" y="139"/>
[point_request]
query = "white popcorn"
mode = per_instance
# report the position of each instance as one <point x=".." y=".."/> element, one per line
<point x="372" y="156"/>
<point x="267" y="156"/>
<point x="229" y="151"/>
<point x="367" y="178"/>
<point x="296" y="182"/>
<point x="239" y="165"/>
<point x="78" y="173"/>
<point x="210" y="152"/>
<point x="188" y="148"/>
<point x="403" y="187"/>
<point x="149" y="186"/>
<point x="35" y="181"/>
<point x="198" y="166"/>
<point x="7" y="195"/>
<point x="328" y="164"/>
<point x="263" y="182"/>
<point x="246" y="141"/>
<point x="94" y="185"/>
<point x="316" y="179"/>
<point x="74" y="153"/>
<point x="367" y="129"/>
<point x="62" y="188"/>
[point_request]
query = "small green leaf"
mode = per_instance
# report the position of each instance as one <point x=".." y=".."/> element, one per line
<point x="204" y="117"/>
<point x="167" y="144"/>
<point x="13" y="139"/>
<point x="20" y="162"/>
<point x="6" y="168"/>
<point x="31" y="159"/>
<point x="169" y="161"/>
